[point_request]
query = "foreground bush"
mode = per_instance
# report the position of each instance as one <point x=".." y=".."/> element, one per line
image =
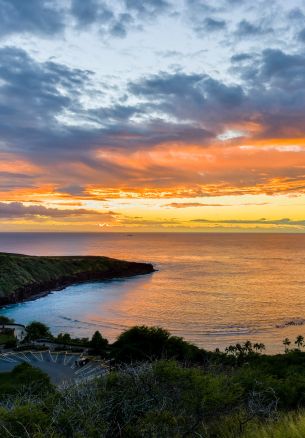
<point x="161" y="386"/>
<point x="24" y="379"/>
<point x="160" y="399"/>
<point x="290" y="426"/>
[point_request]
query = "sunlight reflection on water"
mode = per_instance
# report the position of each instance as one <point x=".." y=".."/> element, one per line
<point x="214" y="289"/>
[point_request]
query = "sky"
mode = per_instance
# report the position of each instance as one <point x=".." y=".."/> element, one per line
<point x="152" y="115"/>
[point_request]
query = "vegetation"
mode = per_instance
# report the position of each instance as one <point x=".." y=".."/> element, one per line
<point x="7" y="337"/>
<point x="6" y="320"/>
<point x="66" y="340"/>
<point x="288" y="426"/>
<point x="98" y="344"/>
<point x="8" y="340"/>
<point x="37" y="330"/>
<point x="23" y="379"/>
<point x="163" y="386"/>
<point x="150" y="343"/>
<point x="22" y="276"/>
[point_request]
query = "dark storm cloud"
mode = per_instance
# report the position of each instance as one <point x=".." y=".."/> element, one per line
<point x="30" y="16"/>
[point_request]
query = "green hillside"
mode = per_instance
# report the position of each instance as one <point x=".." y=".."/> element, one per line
<point x="22" y="276"/>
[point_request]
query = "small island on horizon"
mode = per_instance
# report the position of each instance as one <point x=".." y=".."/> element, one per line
<point x="24" y="277"/>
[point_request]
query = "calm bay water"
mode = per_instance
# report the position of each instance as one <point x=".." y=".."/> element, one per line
<point x="212" y="289"/>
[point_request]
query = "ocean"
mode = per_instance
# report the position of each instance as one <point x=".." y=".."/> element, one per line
<point x="212" y="289"/>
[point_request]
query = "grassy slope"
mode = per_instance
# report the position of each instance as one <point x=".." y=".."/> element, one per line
<point x="21" y="271"/>
<point x="289" y="426"/>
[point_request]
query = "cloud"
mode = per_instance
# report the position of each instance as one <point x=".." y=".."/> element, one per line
<point x="272" y="92"/>
<point x="209" y="25"/>
<point x="48" y="19"/>
<point x="33" y="95"/>
<point x="301" y="35"/>
<point x="296" y="14"/>
<point x="148" y="8"/>
<point x="193" y="204"/>
<point x="213" y="25"/>
<point x="262" y="221"/>
<point x="41" y="112"/>
<point x="192" y="97"/>
<point x="17" y="210"/>
<point x="73" y="189"/>
<point x="35" y="16"/>
<point x="174" y="122"/>
<point x="116" y="19"/>
<point x="245" y="29"/>
<point x="240" y="57"/>
<point x="91" y="11"/>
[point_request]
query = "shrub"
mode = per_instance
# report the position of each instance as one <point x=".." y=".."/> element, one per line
<point x="37" y="330"/>
<point x="11" y="343"/>
<point x="151" y="343"/>
<point x="98" y="344"/>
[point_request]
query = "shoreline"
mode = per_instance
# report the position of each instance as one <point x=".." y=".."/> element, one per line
<point x="24" y="278"/>
<point x="45" y="293"/>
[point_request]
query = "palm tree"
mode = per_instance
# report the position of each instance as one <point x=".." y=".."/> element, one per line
<point x="286" y="342"/>
<point x="299" y="341"/>
<point x="248" y="346"/>
<point x="259" y="347"/>
<point x="231" y="349"/>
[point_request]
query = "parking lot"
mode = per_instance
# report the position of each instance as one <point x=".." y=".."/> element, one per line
<point x="61" y="367"/>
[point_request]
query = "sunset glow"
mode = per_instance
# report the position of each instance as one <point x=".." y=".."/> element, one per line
<point x="189" y="116"/>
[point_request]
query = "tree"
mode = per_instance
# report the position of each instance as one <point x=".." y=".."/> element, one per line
<point x="299" y="341"/>
<point x="98" y="343"/>
<point x="231" y="350"/>
<point x="286" y="343"/>
<point x="151" y="343"/>
<point x="6" y="320"/>
<point x="141" y="343"/>
<point x="248" y="346"/>
<point x="37" y="330"/>
<point x="259" y="347"/>
<point x="64" y="338"/>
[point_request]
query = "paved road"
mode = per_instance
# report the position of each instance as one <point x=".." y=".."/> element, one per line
<point x="59" y="366"/>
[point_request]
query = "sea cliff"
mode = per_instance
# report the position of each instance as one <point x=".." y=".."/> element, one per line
<point x="23" y="277"/>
